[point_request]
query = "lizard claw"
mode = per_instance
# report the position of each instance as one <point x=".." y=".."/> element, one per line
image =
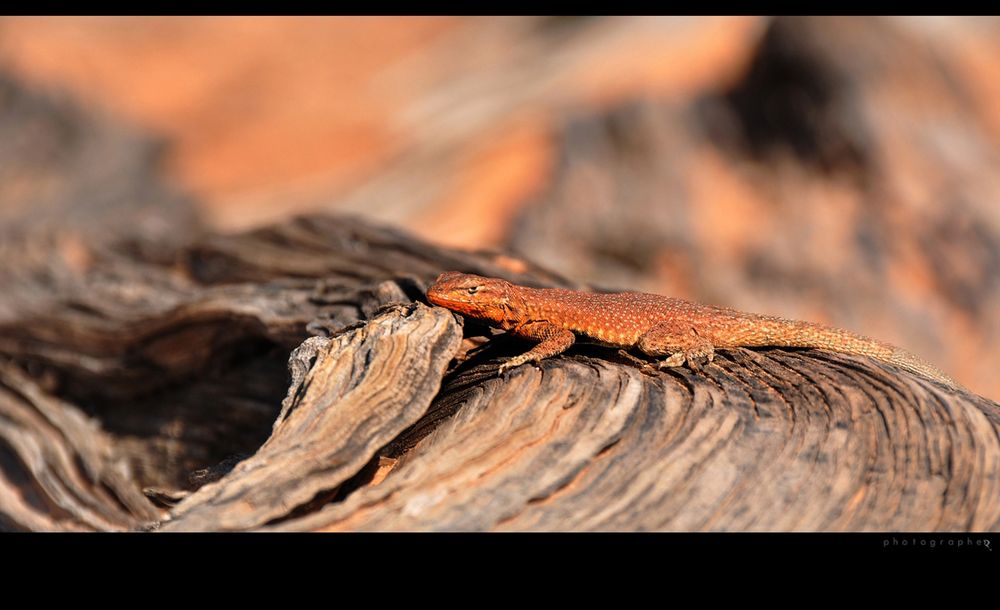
<point x="675" y="359"/>
<point x="507" y="366"/>
<point x="516" y="362"/>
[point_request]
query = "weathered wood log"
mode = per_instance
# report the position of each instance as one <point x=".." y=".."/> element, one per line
<point x="399" y="424"/>
<point x="766" y="440"/>
<point x="144" y="384"/>
<point x="60" y="471"/>
<point x="346" y="412"/>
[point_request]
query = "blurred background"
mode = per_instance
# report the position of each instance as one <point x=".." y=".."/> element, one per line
<point x="839" y="170"/>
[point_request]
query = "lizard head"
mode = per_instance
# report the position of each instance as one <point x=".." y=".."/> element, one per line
<point x="485" y="298"/>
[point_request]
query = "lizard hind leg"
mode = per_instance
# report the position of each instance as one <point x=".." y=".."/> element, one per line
<point x="679" y="342"/>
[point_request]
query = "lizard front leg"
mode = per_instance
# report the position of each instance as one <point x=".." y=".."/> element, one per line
<point x="554" y="340"/>
<point x="679" y="341"/>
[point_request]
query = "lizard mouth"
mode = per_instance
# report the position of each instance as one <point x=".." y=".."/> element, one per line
<point x="438" y="298"/>
<point x="460" y="304"/>
<point x="464" y="306"/>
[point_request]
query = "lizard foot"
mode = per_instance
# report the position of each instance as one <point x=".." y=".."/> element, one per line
<point x="695" y="358"/>
<point x="699" y="357"/>
<point x="512" y="363"/>
<point x="675" y="359"/>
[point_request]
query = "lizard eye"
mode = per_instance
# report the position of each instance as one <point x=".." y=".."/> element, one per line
<point x="473" y="289"/>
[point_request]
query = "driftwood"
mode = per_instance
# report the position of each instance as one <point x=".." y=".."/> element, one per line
<point x="168" y="375"/>
<point x="156" y="376"/>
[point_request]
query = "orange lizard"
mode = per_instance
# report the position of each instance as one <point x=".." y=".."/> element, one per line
<point x="658" y="326"/>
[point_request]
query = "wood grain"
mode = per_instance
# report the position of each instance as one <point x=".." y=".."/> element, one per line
<point x="768" y="440"/>
<point x="58" y="470"/>
<point x="365" y="387"/>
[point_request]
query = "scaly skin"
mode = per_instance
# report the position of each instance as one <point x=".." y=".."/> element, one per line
<point x="658" y="326"/>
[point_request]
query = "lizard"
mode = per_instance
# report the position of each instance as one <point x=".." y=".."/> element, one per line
<point x="676" y="330"/>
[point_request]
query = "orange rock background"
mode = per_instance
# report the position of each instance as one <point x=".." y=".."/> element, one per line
<point x="839" y="170"/>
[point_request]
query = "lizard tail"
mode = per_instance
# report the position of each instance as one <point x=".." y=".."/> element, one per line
<point x="804" y="334"/>
<point x="909" y="362"/>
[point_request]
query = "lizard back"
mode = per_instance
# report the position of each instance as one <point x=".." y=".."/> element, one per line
<point x="620" y="319"/>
